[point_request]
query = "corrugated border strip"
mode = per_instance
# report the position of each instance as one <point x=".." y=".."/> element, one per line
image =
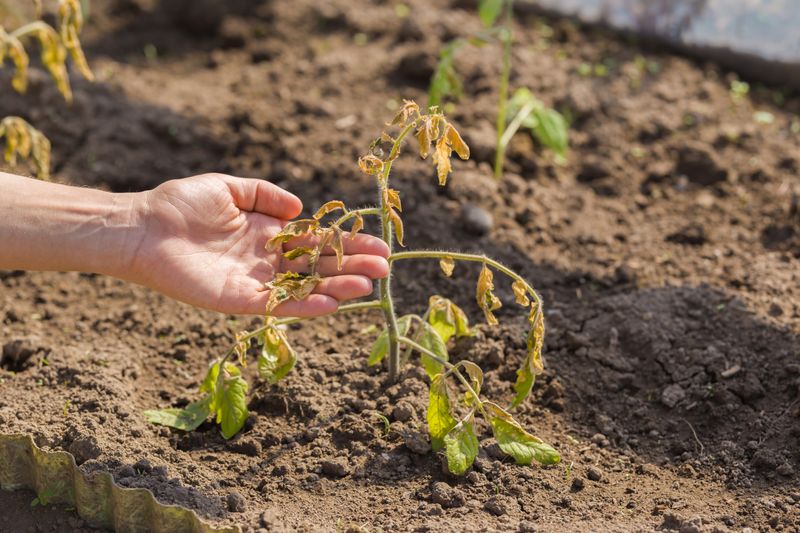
<point x="97" y="499"/>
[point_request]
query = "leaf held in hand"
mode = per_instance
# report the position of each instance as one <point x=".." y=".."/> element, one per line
<point x="337" y="243"/>
<point x="381" y="347"/>
<point x="328" y="207"/>
<point x="358" y="225"/>
<point x="516" y="442"/>
<point x="277" y="357"/>
<point x="300" y="251"/>
<point x="440" y="421"/>
<point x="487" y="301"/>
<point x="429" y="338"/>
<point x="447" y="264"/>
<point x="461" y="447"/>
<point x="290" y="285"/>
<point x="293" y="229"/>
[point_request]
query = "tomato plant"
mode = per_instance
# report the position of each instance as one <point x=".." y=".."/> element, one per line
<point x="523" y="109"/>
<point x="450" y="422"/>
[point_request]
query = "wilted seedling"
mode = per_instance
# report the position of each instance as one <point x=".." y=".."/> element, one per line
<point x="451" y="419"/>
<point x="55" y="45"/>
<point x="546" y="124"/>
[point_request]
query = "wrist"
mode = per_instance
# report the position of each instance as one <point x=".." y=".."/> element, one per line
<point x="122" y="234"/>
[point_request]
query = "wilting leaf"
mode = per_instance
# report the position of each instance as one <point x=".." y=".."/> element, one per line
<point x="54" y="57"/>
<point x="441" y="158"/>
<point x="25" y="140"/>
<point x="296" y="228"/>
<point x="489" y="10"/>
<point x="551" y="129"/>
<point x="369" y="164"/>
<point x="186" y="419"/>
<point x="447" y="318"/>
<point x="429" y="338"/>
<point x="475" y="378"/>
<point x="409" y="109"/>
<point x="516" y="442"/>
<point x="13" y="47"/>
<point x="440" y="421"/>
<point x="487" y="301"/>
<point x="240" y="348"/>
<point x="358" y="225"/>
<point x="461" y="447"/>
<point x="398" y="225"/>
<point x="277" y="357"/>
<point x="328" y="207"/>
<point x="447" y="264"/>
<point x="231" y="405"/>
<point x="381" y="347"/>
<point x="338" y="246"/>
<point x="300" y="251"/>
<point x="456" y="142"/>
<point x="532" y="365"/>
<point x="392" y="199"/>
<point x="520" y="293"/>
<point x="425" y="137"/>
<point x="70" y="18"/>
<point x="290" y="285"/>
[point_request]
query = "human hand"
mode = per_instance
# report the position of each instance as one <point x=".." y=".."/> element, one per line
<point x="202" y="242"/>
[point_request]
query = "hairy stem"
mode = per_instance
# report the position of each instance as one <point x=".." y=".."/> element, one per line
<point x="388" y="237"/>
<point x="505" y="74"/>
<point x="351" y="214"/>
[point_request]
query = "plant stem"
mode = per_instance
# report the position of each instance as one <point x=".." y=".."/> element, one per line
<point x="350" y="214"/>
<point x="388" y="238"/>
<point x="505" y="74"/>
<point x="31" y="27"/>
<point x="514" y="125"/>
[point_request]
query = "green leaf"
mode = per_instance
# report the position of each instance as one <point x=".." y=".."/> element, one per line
<point x="447" y="318"/>
<point x="187" y="419"/>
<point x="277" y="357"/>
<point x="516" y="442"/>
<point x="381" y="347"/>
<point x="520" y="99"/>
<point x="430" y="339"/>
<point x="440" y="421"/>
<point x="551" y="129"/>
<point x="461" y="447"/>
<point x="532" y="365"/>
<point x="489" y="10"/>
<point x="476" y="380"/>
<point x="232" y="406"/>
<point x="445" y="82"/>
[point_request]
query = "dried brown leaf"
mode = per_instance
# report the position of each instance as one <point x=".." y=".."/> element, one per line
<point x="487" y="301"/>
<point x="409" y="109"/>
<point x="370" y="164"/>
<point x="397" y="222"/>
<point x="358" y="225"/>
<point x="290" y="285"/>
<point x="328" y="207"/>
<point x="392" y="199"/>
<point x="447" y="264"/>
<point x="521" y="293"/>
<point x="456" y="142"/>
<point x="293" y="229"/>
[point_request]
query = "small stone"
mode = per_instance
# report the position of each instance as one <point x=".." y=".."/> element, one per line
<point x="775" y="310"/>
<point x="446" y="496"/>
<point x="235" y="502"/>
<point x="785" y="470"/>
<point x="526" y="526"/>
<point x="496" y="505"/>
<point x="247" y="446"/>
<point x="417" y="442"/>
<point x="594" y="474"/>
<point x="403" y="411"/>
<point x="672" y="395"/>
<point x="577" y="484"/>
<point x="335" y="467"/>
<point x="476" y="220"/>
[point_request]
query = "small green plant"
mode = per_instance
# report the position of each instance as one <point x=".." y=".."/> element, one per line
<point x="522" y="110"/>
<point x="450" y="423"/>
<point x="22" y="139"/>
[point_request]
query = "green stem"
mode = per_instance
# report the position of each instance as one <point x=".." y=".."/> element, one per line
<point x="514" y="125"/>
<point x="350" y="214"/>
<point x="505" y="74"/>
<point x="388" y="237"/>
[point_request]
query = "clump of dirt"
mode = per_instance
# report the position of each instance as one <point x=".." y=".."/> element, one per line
<point x="666" y="250"/>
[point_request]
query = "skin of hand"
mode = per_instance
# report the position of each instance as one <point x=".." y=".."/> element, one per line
<point x="199" y="240"/>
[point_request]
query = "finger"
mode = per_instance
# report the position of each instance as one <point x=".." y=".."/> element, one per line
<point x="360" y="244"/>
<point x="259" y="196"/>
<point x="346" y="287"/>
<point x="371" y="266"/>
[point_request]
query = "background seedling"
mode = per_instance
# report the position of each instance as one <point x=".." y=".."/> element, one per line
<point x="22" y="139"/>
<point x="451" y="423"/>
<point x="546" y="125"/>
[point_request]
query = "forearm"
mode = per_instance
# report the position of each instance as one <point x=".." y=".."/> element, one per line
<point x="46" y="226"/>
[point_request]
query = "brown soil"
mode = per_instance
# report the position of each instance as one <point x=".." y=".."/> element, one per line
<point x="667" y="250"/>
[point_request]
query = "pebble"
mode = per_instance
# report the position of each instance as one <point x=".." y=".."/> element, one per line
<point x="496" y="505"/>
<point x="577" y="484"/>
<point x="84" y="449"/>
<point x="477" y="220"/>
<point x="403" y="411"/>
<point x="235" y="502"/>
<point x="594" y="474"/>
<point x="446" y="496"/>
<point x="672" y="395"/>
<point x="335" y="468"/>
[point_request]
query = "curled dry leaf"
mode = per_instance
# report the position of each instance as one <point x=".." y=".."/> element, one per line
<point x="392" y="199"/>
<point x="328" y="207"/>
<point x="70" y="18"/>
<point x="532" y="366"/>
<point x="397" y="222"/>
<point x="300" y="251"/>
<point x="409" y="109"/>
<point x="487" y="301"/>
<point x="11" y="46"/>
<point x="291" y="230"/>
<point x="338" y="245"/>
<point x="358" y="225"/>
<point x="277" y="357"/>
<point x="456" y="142"/>
<point x="521" y="293"/>
<point x="447" y="264"/>
<point x="26" y="141"/>
<point x="370" y="164"/>
<point x="290" y="285"/>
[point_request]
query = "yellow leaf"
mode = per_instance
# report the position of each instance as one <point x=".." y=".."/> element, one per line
<point x="447" y="265"/>
<point x="358" y="225"/>
<point x="441" y="159"/>
<point x="409" y="109"/>
<point x="487" y="301"/>
<point x="456" y="142"/>
<point x="392" y="199"/>
<point x="425" y="137"/>
<point x="293" y="229"/>
<point x="20" y="59"/>
<point x="369" y="164"/>
<point x="338" y="246"/>
<point x="521" y="293"/>
<point x="398" y="225"/>
<point x="290" y="285"/>
<point x="328" y="207"/>
<point x="70" y="18"/>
